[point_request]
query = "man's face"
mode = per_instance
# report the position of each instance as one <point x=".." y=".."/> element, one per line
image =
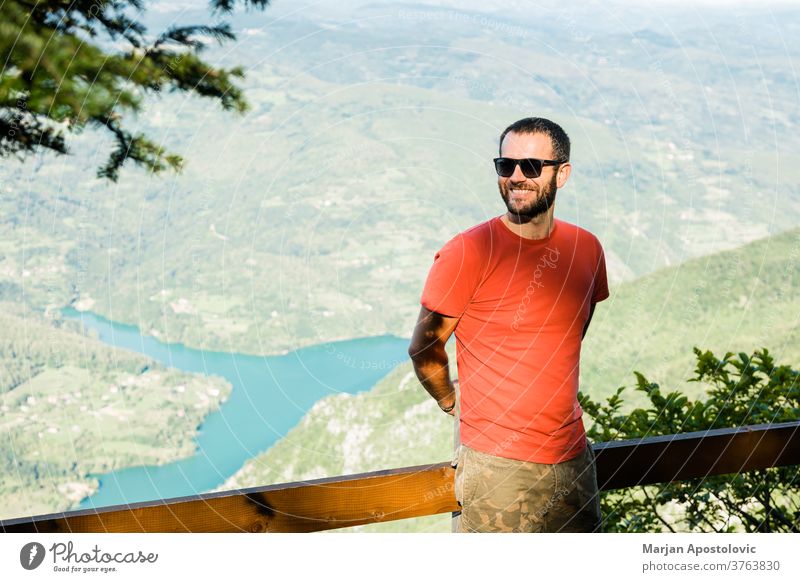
<point x="530" y="197"/>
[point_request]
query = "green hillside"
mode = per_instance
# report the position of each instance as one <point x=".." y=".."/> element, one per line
<point x="71" y="406"/>
<point x="735" y="300"/>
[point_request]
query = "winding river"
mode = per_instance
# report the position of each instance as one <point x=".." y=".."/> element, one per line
<point x="270" y="395"/>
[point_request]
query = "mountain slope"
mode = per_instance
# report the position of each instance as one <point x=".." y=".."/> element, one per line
<point x="71" y="406"/>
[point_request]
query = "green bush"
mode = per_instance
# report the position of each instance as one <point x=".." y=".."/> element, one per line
<point x="741" y="390"/>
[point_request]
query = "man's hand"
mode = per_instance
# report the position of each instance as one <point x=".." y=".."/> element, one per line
<point x="450" y="401"/>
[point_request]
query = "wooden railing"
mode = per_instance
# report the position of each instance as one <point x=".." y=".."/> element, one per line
<point x="422" y="490"/>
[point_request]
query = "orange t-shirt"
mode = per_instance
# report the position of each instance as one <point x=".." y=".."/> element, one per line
<point x="522" y="305"/>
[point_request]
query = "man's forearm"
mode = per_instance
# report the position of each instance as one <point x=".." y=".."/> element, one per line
<point x="432" y="369"/>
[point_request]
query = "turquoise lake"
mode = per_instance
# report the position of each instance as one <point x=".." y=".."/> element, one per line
<point x="270" y="395"/>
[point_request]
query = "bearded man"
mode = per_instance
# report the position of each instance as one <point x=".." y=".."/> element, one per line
<point x="518" y="291"/>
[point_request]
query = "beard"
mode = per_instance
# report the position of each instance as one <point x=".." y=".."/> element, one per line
<point x="530" y="210"/>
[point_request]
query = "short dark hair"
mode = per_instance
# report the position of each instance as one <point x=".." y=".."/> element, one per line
<point x="558" y="137"/>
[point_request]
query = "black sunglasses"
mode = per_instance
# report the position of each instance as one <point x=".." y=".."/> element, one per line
<point x="531" y="167"/>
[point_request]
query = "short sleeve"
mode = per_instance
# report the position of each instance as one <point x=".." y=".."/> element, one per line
<point x="600" y="291"/>
<point x="452" y="278"/>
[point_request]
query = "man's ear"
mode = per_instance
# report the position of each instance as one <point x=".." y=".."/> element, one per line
<point x="563" y="174"/>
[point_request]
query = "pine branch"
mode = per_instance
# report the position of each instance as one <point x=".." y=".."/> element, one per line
<point x="183" y="35"/>
<point x="60" y="77"/>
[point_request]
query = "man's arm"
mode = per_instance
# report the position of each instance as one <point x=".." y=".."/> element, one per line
<point x="430" y="358"/>
<point x="588" y="321"/>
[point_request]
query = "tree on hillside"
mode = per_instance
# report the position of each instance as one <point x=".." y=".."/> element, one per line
<point x="69" y="64"/>
<point x="742" y="390"/>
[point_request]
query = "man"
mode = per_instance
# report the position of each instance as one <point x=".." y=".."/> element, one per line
<point x="518" y="291"/>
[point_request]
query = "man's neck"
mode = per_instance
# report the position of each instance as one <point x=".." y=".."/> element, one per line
<point x="535" y="228"/>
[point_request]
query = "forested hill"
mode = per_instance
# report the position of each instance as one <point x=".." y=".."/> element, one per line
<point x="71" y="406"/>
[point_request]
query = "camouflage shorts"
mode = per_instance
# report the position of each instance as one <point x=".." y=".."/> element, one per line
<point x="505" y="495"/>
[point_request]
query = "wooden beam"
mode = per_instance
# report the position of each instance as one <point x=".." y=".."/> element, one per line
<point x="294" y="507"/>
<point x="699" y="454"/>
<point x="422" y="490"/>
